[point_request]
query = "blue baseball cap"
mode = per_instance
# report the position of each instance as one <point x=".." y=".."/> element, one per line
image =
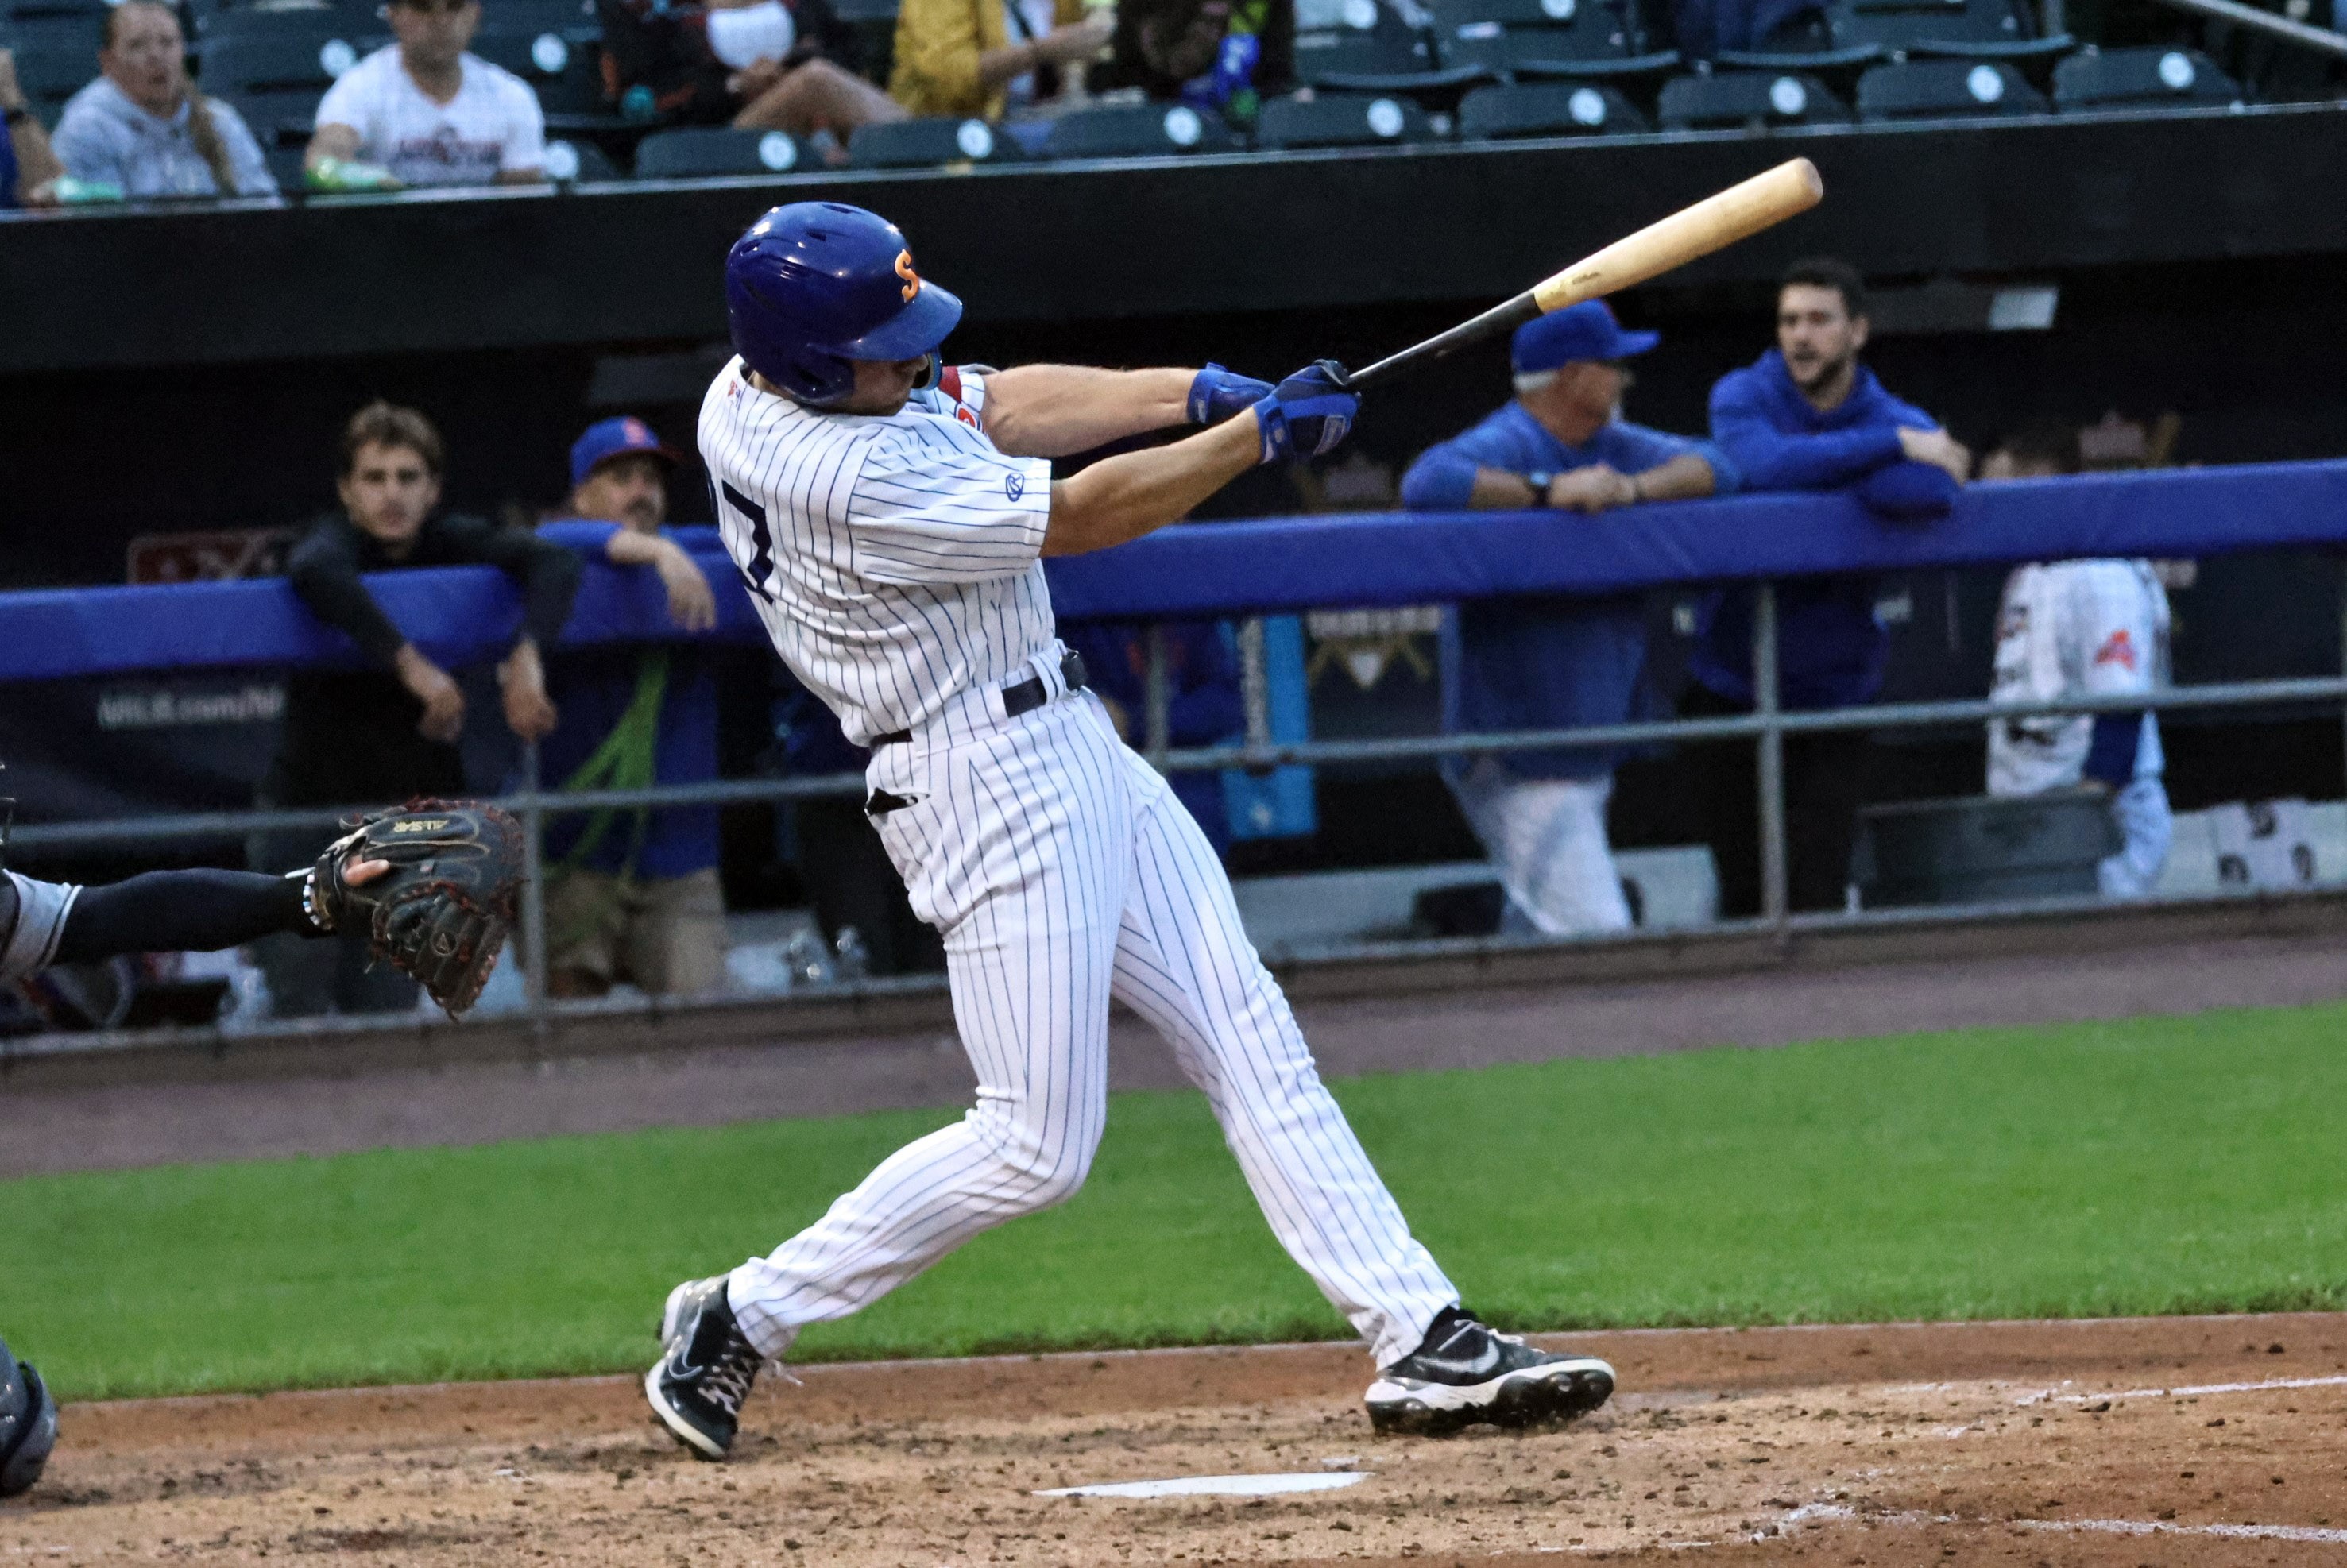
<point x="1585" y="331"/>
<point x="612" y="438"/>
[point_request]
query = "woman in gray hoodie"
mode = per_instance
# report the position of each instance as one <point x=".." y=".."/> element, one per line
<point x="143" y="126"/>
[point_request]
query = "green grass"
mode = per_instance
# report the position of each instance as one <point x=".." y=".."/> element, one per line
<point x="2153" y="1166"/>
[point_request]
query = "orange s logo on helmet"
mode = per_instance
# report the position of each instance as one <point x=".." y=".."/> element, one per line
<point x="905" y="271"/>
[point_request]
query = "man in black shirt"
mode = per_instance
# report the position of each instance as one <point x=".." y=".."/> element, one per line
<point x="389" y="731"/>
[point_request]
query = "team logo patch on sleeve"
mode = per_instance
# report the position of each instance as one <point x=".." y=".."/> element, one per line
<point x="1014" y="485"/>
<point x="2118" y="648"/>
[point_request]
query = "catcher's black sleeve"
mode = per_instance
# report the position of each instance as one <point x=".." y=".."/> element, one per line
<point x="196" y="911"/>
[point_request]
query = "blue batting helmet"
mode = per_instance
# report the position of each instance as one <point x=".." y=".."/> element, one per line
<point x="817" y="285"/>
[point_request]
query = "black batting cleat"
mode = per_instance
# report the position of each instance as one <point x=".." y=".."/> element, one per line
<point x="698" y="1387"/>
<point x="1466" y="1372"/>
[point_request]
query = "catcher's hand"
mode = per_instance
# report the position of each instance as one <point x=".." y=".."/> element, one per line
<point x="442" y="909"/>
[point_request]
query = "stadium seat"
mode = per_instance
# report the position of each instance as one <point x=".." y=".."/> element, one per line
<point x="569" y="162"/>
<point x="50" y="76"/>
<point x="285" y="166"/>
<point x="928" y="143"/>
<point x="275" y="82"/>
<point x="1946" y="89"/>
<point x="316" y="23"/>
<point x="1547" y="109"/>
<point x="561" y="65"/>
<point x="702" y="152"/>
<point x="1754" y="98"/>
<point x="571" y="17"/>
<point x="1570" y="38"/>
<point x="1959" y="29"/>
<point x="1810" y="42"/>
<point x="1363" y="46"/>
<point x="64" y="26"/>
<point x="2140" y="78"/>
<point x="1340" y="120"/>
<point x="1138" y="130"/>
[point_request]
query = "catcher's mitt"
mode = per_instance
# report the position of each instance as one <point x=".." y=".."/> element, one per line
<point x="442" y="910"/>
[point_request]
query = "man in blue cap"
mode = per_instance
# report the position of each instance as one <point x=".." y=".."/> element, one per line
<point x="632" y="894"/>
<point x="1549" y="662"/>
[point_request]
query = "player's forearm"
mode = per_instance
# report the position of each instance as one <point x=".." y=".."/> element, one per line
<point x="1053" y="410"/>
<point x="198" y="911"/>
<point x="1686" y="478"/>
<point x="1135" y="493"/>
<point x="1496" y="489"/>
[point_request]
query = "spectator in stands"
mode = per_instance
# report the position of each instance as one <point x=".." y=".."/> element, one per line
<point x="1203" y="707"/>
<point x="755" y="65"/>
<point x="388" y="730"/>
<point x="143" y="128"/>
<point x="28" y="168"/>
<point x="1220" y="55"/>
<point x="1807" y="415"/>
<point x="851" y="883"/>
<point x="1541" y="662"/>
<point x="424" y="111"/>
<point x="632" y="894"/>
<point x="992" y="58"/>
<point x="2083" y="628"/>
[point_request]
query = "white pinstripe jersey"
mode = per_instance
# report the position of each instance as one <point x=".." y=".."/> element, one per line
<point x="2070" y="629"/>
<point x="895" y="560"/>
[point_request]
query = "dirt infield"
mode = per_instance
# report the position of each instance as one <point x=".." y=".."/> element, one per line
<point x="2158" y="1440"/>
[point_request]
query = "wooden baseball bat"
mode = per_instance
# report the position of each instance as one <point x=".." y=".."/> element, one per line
<point x="1712" y="224"/>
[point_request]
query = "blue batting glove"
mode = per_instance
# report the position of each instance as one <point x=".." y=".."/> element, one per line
<point x="1217" y="394"/>
<point x="1308" y="414"/>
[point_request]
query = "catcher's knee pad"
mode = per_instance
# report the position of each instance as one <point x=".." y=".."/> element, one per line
<point x="28" y="1424"/>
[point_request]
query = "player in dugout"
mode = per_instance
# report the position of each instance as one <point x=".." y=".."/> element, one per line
<point x="198" y="910"/>
<point x="632" y="894"/>
<point x="390" y="729"/>
<point x="2083" y="628"/>
<point x="1807" y="415"/>
<point x="1553" y="661"/>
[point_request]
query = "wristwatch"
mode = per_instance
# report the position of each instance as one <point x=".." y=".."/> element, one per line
<point x="1540" y="481"/>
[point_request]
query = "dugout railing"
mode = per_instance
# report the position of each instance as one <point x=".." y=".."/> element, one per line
<point x="1243" y="569"/>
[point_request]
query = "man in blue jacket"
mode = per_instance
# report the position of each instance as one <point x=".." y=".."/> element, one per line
<point x="1548" y="661"/>
<point x="1807" y="415"/>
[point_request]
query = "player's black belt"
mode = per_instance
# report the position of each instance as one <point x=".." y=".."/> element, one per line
<point x="1023" y="698"/>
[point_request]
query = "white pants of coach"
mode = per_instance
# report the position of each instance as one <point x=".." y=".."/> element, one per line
<point x="1546" y="838"/>
<point x="1062" y="872"/>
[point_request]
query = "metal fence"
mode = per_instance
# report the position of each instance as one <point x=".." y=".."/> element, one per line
<point x="1768" y="723"/>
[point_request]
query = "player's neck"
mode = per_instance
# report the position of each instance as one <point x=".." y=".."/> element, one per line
<point x="438" y="81"/>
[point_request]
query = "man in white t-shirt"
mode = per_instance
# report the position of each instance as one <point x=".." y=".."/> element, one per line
<point x="422" y="111"/>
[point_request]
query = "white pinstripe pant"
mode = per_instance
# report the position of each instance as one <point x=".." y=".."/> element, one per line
<point x="1062" y="872"/>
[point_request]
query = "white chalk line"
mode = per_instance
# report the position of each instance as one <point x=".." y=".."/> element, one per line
<point x="2187" y="1390"/>
<point x="1218" y="1485"/>
<point x="2162" y="1527"/>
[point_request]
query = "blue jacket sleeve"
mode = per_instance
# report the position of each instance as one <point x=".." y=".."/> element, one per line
<point x="1636" y="449"/>
<point x="2111" y="754"/>
<point x="1441" y="480"/>
<point x="1908" y="492"/>
<point x="1768" y="460"/>
<point x="592" y="540"/>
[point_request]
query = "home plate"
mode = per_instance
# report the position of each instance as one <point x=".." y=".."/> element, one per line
<point x="1216" y="1485"/>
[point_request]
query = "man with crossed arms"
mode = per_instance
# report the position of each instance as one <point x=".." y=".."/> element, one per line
<point x="889" y="519"/>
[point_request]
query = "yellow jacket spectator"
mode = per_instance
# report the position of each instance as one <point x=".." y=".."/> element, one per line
<point x="988" y="58"/>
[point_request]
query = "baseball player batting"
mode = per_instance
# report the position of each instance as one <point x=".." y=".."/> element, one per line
<point x="889" y="519"/>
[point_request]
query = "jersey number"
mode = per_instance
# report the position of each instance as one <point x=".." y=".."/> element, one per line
<point x="761" y="563"/>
